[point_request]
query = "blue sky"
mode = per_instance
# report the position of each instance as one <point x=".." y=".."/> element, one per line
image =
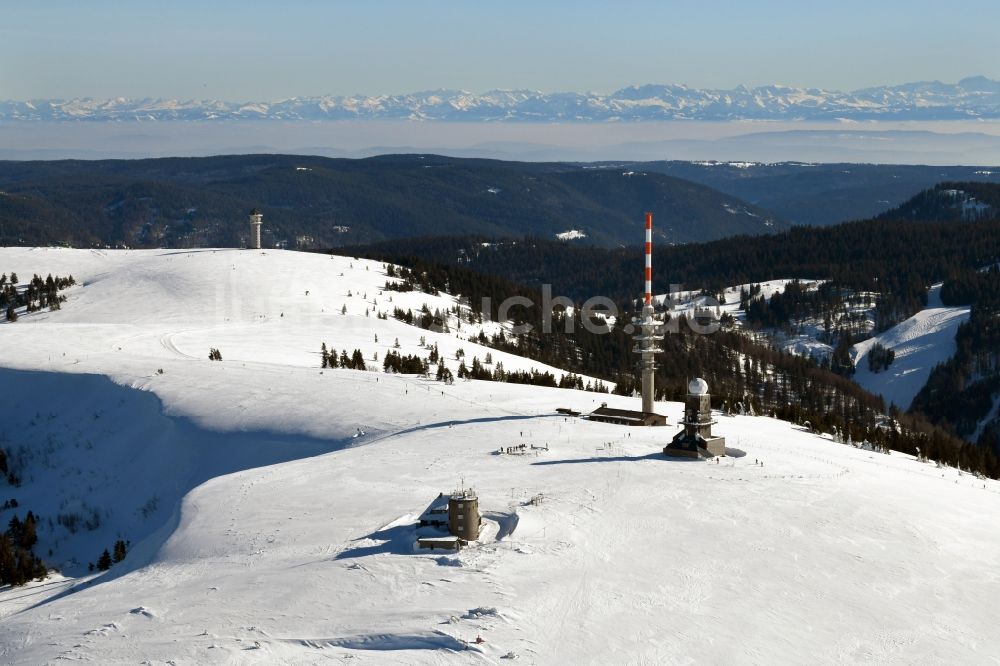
<point x="270" y="50"/>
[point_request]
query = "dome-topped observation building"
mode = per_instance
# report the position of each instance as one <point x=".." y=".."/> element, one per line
<point x="698" y="386"/>
<point x="696" y="440"/>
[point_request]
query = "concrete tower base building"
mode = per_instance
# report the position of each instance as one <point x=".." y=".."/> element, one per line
<point x="256" y="218"/>
<point x="696" y="440"/>
<point x="647" y="345"/>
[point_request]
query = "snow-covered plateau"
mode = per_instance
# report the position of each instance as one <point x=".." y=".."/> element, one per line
<point x="270" y="503"/>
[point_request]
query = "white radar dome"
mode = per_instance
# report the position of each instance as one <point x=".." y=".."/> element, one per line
<point x="698" y="386"/>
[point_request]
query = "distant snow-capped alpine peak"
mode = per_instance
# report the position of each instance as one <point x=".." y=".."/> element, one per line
<point x="974" y="97"/>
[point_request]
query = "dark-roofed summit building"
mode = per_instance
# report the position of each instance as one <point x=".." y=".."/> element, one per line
<point x="605" y="414"/>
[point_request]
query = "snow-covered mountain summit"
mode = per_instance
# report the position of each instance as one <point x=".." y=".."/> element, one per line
<point x="286" y="495"/>
<point x="972" y="97"/>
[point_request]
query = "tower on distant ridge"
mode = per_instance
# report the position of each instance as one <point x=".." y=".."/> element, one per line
<point x="256" y="217"/>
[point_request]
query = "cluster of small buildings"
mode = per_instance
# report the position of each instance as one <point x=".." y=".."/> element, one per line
<point x="452" y="521"/>
<point x="694" y="441"/>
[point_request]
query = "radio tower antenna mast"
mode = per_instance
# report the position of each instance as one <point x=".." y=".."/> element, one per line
<point x="650" y="331"/>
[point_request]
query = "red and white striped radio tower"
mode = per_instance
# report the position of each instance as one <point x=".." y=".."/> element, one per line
<point x="650" y="329"/>
<point x="649" y="259"/>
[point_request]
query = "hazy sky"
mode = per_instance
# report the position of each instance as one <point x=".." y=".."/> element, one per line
<point x="251" y="50"/>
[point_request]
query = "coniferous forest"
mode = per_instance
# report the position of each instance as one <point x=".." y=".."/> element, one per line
<point x="962" y="391"/>
<point x="37" y="295"/>
<point x="18" y="564"/>
<point x="745" y="375"/>
<point x="889" y="263"/>
<point x="896" y="255"/>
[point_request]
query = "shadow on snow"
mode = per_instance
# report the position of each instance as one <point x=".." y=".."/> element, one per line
<point x="656" y="455"/>
<point x="85" y="441"/>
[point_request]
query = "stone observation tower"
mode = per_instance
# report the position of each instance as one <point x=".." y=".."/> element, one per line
<point x="650" y="331"/>
<point x="696" y="440"/>
<point x="463" y="514"/>
<point x="256" y="217"/>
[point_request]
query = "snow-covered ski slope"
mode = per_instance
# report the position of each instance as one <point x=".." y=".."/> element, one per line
<point x="920" y="342"/>
<point x="282" y="536"/>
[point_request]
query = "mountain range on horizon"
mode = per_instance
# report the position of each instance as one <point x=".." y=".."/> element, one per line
<point x="976" y="97"/>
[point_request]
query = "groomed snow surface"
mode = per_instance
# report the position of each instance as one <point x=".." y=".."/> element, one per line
<point x="282" y="530"/>
<point x="920" y="342"/>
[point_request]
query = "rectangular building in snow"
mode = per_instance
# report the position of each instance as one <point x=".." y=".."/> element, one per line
<point x="605" y="414"/>
<point x="450" y="542"/>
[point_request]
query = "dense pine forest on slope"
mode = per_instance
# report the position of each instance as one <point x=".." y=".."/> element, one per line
<point x="950" y="202"/>
<point x="893" y="260"/>
<point x="896" y="259"/>
<point x="200" y="202"/>
<point x="964" y="392"/>
<point x="744" y="374"/>
<point x="820" y="194"/>
<point x="203" y="202"/>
